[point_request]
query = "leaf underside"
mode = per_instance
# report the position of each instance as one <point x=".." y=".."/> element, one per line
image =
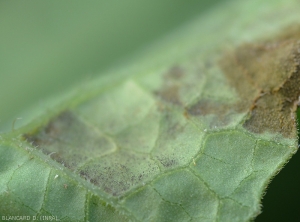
<point x="195" y="137"/>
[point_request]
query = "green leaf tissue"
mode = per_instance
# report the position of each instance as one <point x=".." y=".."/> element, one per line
<point x="193" y="129"/>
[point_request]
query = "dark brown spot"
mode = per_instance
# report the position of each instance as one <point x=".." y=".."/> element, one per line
<point x="83" y="174"/>
<point x="186" y="114"/>
<point x="175" y="73"/>
<point x="170" y="94"/>
<point x="94" y="181"/>
<point x="170" y="90"/>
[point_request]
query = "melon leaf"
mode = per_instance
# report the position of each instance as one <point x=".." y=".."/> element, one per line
<point x="193" y="130"/>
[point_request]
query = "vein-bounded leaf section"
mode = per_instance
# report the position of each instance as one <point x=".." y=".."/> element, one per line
<point x="198" y="139"/>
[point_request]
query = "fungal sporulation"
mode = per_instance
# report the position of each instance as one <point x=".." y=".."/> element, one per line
<point x="266" y="76"/>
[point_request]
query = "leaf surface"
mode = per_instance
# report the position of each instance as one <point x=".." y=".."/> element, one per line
<point x="192" y="131"/>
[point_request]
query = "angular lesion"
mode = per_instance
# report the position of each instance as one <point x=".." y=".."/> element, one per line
<point x="69" y="141"/>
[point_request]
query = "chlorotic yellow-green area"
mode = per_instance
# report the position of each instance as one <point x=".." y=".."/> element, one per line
<point x="161" y="142"/>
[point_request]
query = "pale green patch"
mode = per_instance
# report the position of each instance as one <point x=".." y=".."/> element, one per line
<point x="126" y="105"/>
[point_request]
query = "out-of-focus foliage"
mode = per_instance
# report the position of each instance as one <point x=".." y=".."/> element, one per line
<point x="47" y="46"/>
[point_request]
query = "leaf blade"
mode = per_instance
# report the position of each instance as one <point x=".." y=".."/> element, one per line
<point x="168" y="133"/>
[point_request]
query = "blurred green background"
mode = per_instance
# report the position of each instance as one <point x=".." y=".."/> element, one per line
<point x="48" y="46"/>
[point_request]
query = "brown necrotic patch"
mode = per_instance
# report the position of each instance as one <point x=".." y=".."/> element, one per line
<point x="267" y="78"/>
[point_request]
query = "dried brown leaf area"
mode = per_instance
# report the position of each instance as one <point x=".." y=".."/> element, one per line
<point x="266" y="76"/>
